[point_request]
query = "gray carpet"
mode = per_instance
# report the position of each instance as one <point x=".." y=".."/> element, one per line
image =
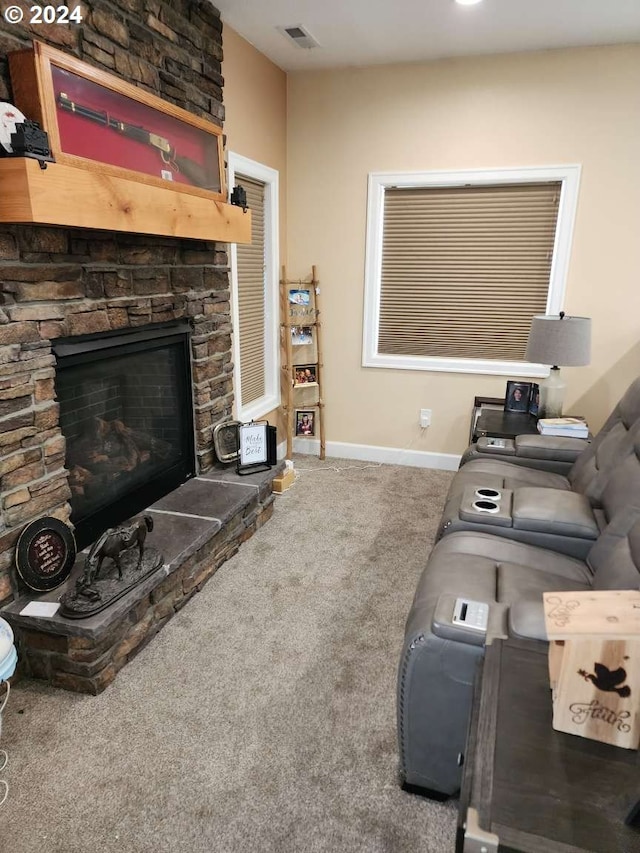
<point x="262" y="717"/>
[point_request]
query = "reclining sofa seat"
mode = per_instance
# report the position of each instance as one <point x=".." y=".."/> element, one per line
<point x="438" y="663"/>
<point x="596" y="456"/>
<point x="588" y="476"/>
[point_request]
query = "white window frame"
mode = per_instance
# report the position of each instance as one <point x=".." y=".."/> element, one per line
<point x="271" y="398"/>
<point x="569" y="175"/>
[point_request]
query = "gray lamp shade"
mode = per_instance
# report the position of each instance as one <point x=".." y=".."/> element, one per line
<point x="559" y="340"/>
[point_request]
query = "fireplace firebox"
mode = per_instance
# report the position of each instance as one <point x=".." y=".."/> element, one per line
<point x="126" y="412"/>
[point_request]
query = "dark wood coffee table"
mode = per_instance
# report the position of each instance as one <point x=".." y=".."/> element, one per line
<point x="529" y="789"/>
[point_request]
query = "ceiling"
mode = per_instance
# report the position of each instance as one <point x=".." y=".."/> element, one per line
<point x="373" y="32"/>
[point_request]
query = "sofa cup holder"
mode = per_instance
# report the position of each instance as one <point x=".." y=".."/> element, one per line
<point x="487" y="494"/>
<point x="485" y="505"/>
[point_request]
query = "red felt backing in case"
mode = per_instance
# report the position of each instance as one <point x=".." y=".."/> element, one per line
<point x="83" y="137"/>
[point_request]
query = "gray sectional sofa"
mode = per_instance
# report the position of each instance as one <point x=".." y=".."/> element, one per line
<point x="552" y="532"/>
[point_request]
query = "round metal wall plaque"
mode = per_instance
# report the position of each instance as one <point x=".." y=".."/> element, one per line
<point x="225" y="440"/>
<point x="45" y="554"/>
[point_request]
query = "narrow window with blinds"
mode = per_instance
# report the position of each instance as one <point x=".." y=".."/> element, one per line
<point x="255" y="293"/>
<point x="250" y="266"/>
<point x="457" y="268"/>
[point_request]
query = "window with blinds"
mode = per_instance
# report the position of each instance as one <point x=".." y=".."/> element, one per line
<point x="458" y="264"/>
<point x="250" y="266"/>
<point x="465" y="268"/>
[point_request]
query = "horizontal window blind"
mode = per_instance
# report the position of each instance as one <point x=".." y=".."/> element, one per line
<point x="464" y="269"/>
<point x="250" y="261"/>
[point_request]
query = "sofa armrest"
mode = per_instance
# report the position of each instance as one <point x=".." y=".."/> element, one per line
<point x="496" y="446"/>
<point x="526" y="620"/>
<point x="555" y="519"/>
<point x="544" y="452"/>
<point x="552" y="447"/>
<point x="554" y="511"/>
<point x="444" y="627"/>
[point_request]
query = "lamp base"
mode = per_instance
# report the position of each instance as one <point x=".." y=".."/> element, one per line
<point x="552" y="395"/>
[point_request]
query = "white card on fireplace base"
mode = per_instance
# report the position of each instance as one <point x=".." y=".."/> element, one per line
<point x="40" y="608"/>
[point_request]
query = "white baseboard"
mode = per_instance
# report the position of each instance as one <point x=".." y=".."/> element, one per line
<point x="372" y="453"/>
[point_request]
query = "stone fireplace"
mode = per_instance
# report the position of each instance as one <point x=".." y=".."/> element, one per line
<point x="58" y="299"/>
<point x="126" y="413"/>
<point x="115" y="364"/>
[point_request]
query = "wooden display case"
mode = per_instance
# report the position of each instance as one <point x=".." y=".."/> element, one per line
<point x="125" y="159"/>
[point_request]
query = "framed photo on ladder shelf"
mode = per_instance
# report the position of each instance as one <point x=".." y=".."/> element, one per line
<point x="305" y="422"/>
<point x="301" y="336"/>
<point x="304" y="375"/>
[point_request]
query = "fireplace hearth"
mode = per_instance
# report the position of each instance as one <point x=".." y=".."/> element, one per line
<point x="126" y="412"/>
<point x="196" y="528"/>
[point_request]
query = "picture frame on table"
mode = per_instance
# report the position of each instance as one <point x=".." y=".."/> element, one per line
<point x="517" y="397"/>
<point x="97" y="121"/>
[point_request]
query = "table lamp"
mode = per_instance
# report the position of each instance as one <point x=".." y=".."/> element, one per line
<point x="559" y="341"/>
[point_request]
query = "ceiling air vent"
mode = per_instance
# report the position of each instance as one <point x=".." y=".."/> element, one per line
<point x="300" y="36"/>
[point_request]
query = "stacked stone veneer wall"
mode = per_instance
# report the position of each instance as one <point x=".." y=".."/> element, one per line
<point x="62" y="282"/>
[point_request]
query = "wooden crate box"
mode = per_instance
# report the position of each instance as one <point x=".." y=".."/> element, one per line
<point x="594" y="664"/>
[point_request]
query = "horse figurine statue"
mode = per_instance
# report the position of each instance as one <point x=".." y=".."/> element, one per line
<point x="113" y="543"/>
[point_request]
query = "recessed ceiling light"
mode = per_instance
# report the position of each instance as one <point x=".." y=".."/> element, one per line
<point x="468" y="2"/>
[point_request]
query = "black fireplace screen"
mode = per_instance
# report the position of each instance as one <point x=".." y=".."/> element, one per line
<point x="126" y="413"/>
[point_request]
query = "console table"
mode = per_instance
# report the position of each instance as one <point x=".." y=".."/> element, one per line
<point x="527" y="788"/>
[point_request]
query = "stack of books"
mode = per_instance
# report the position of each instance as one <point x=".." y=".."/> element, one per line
<point x="569" y="427"/>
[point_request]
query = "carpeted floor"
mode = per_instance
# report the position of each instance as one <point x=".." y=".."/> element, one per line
<point x="262" y="717"/>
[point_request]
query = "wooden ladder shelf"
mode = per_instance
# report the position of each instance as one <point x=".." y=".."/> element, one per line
<point x="301" y="361"/>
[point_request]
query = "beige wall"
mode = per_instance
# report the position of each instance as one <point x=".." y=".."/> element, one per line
<point x="255" y="98"/>
<point x="548" y="108"/>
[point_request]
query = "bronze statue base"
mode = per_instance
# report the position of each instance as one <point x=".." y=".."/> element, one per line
<point x="80" y="602"/>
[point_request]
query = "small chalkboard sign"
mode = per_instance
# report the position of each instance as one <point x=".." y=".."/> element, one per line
<point x="253" y="447"/>
<point x="45" y="553"/>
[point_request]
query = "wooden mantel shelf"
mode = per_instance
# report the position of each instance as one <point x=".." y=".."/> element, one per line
<point x="84" y="198"/>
